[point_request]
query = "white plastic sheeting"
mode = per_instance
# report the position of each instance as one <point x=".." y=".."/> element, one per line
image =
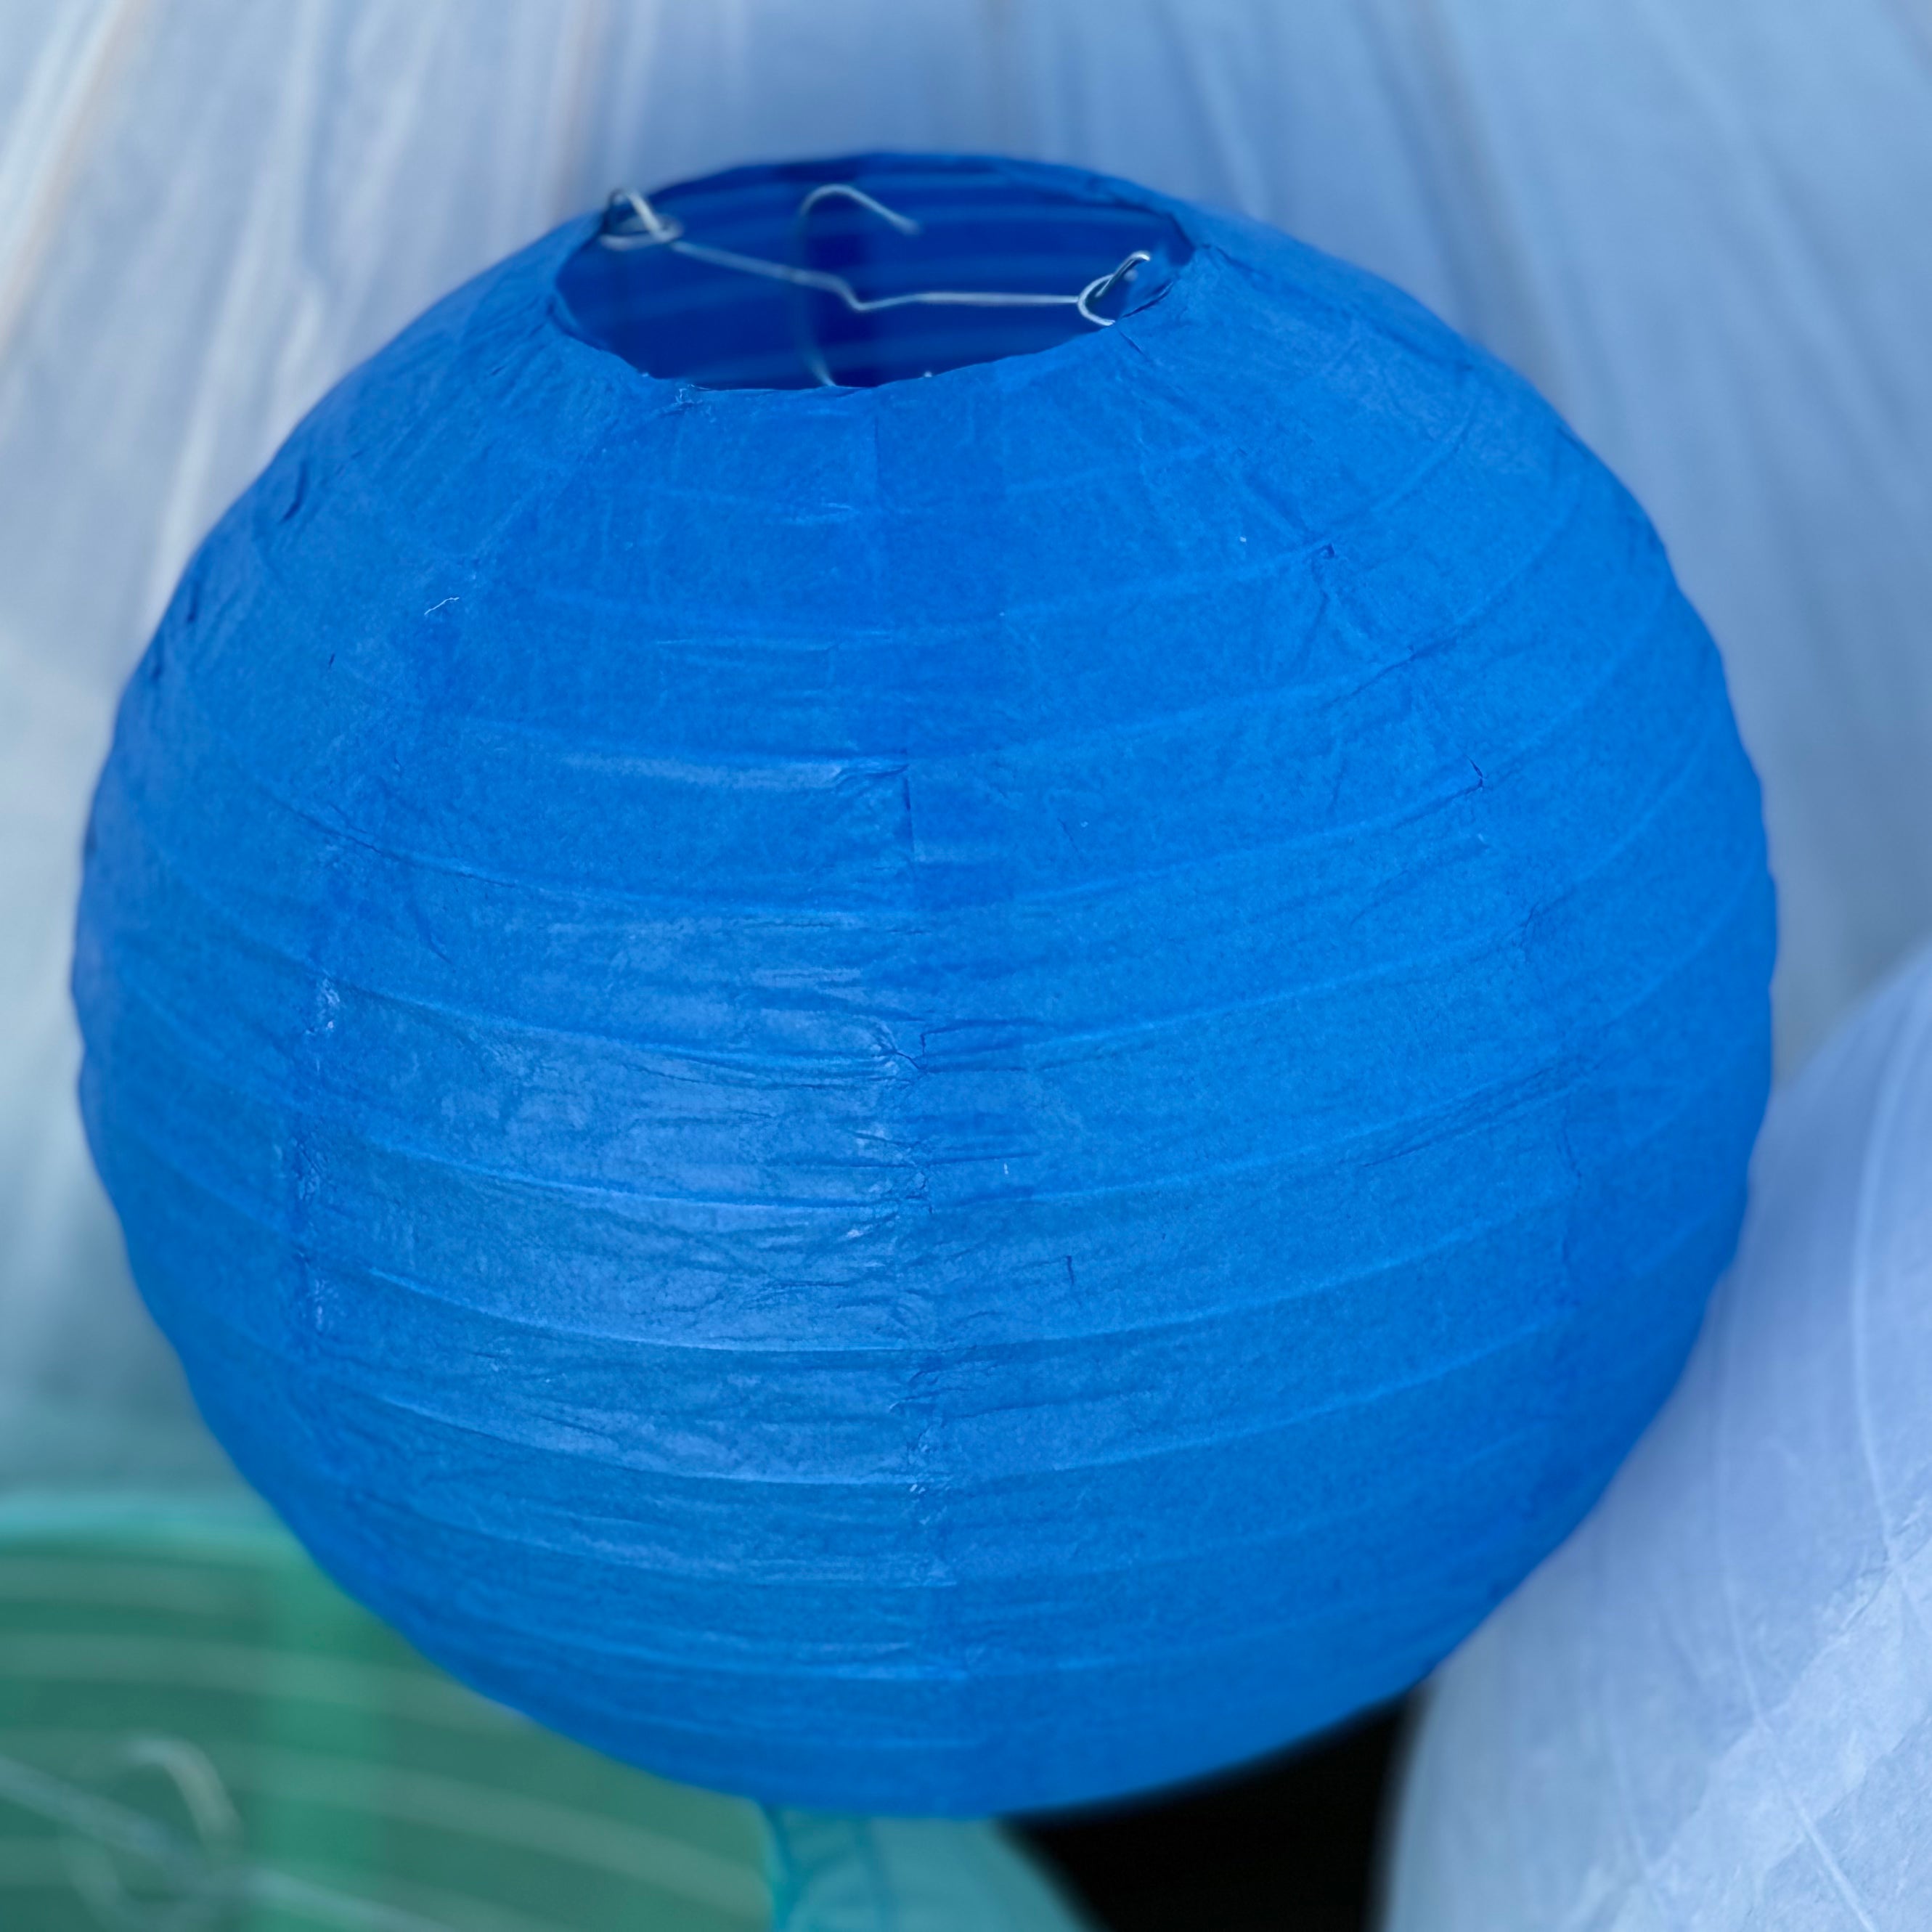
<point x="207" y="213"/>
<point x="1699" y="227"/>
<point x="1712" y="1708"/>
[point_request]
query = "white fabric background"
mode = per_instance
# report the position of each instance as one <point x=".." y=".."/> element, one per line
<point x="1698" y="224"/>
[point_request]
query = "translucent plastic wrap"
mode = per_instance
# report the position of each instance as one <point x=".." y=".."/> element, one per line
<point x="1712" y="1708"/>
<point x="207" y="212"/>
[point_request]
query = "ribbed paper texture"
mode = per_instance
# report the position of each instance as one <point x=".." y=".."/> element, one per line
<point x="944" y="1097"/>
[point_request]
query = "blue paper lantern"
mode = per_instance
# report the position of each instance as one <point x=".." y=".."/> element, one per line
<point x="944" y="1094"/>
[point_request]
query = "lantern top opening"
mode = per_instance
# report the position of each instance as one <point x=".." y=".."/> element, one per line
<point x="952" y="263"/>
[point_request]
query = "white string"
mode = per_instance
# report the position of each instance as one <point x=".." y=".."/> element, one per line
<point x="653" y="230"/>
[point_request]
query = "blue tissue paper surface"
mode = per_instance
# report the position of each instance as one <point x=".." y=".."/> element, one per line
<point x="946" y="1094"/>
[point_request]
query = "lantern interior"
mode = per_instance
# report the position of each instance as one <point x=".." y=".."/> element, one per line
<point x="672" y="315"/>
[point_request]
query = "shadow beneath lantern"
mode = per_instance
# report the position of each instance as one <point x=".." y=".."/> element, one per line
<point x="1291" y="1842"/>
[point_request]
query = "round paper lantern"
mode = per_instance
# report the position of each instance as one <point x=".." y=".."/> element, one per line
<point x="944" y="1093"/>
<point x="196" y="1732"/>
<point x="1712" y="1709"/>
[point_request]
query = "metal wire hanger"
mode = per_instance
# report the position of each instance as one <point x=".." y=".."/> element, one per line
<point x="630" y="221"/>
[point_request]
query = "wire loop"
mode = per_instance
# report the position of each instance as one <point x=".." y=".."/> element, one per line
<point x="652" y="229"/>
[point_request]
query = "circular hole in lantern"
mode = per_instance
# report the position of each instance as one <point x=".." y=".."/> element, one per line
<point x="675" y="315"/>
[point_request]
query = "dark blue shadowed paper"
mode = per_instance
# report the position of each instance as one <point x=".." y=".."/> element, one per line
<point x="941" y="1096"/>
